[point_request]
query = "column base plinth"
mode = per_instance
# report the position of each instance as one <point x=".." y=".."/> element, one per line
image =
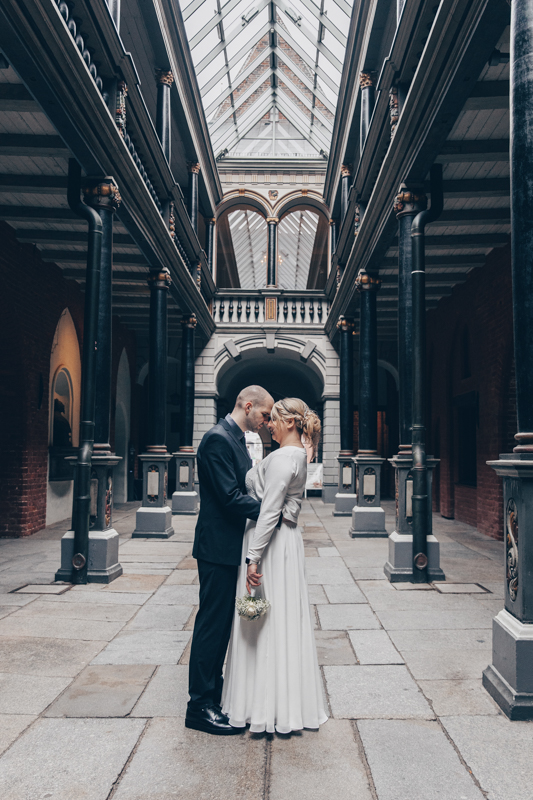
<point x="509" y="679"/>
<point x="103" y="566"/>
<point x="185" y="503"/>
<point x="368" y="523"/>
<point x="344" y="504"/>
<point x="399" y="567"/>
<point x="153" y="523"/>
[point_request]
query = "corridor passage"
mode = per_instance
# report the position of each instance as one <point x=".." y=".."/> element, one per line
<point x="93" y="679"/>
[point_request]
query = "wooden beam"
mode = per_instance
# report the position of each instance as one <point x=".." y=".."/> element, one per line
<point x="34" y="184"/>
<point x="451" y="262"/>
<point x="78" y="273"/>
<point x="73" y="256"/>
<point x="472" y="216"/>
<point x="488" y="95"/>
<point x="38" y="214"/>
<point x="465" y="240"/>
<point x="469" y="151"/>
<point x="476" y="187"/>
<point x="72" y="237"/>
<point x="43" y="146"/>
<point x="431" y="278"/>
<point x="15" y="97"/>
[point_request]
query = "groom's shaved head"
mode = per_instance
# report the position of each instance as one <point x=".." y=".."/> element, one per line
<point x="255" y="395"/>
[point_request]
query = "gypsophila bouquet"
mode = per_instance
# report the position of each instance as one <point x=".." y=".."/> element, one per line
<point x="251" y="607"/>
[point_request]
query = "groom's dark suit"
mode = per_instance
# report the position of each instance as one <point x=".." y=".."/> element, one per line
<point x="223" y="462"/>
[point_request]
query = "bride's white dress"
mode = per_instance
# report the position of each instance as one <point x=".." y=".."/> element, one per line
<point x="272" y="678"/>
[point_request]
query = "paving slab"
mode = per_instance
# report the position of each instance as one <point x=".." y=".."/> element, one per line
<point x="413" y="760"/>
<point x="346" y="616"/>
<point x="328" y="552"/>
<point x="375" y="692"/>
<point x="50" y="657"/>
<point x="409" y="601"/>
<point x="344" y="593"/>
<point x="368" y="573"/>
<point x="317" y="594"/>
<point x="166" y="694"/>
<point x="158" y="617"/>
<point x="452" y="697"/>
<point x="446" y="664"/>
<point x="435" y="618"/>
<point x="51" y="627"/>
<point x="159" y="560"/>
<point x="28" y="694"/>
<point x="144" y="647"/>
<point x="150" y="551"/>
<point x="177" y="595"/>
<point x="5" y="611"/>
<point x="15" y="599"/>
<point x="382" y="585"/>
<point x="471" y="639"/>
<point x="460" y="588"/>
<point x="327" y="570"/>
<point x="115" y="598"/>
<point x="413" y="587"/>
<point x="55" y="769"/>
<point x="83" y="611"/>
<point x="181" y="576"/>
<point x="318" y="764"/>
<point x="333" y="647"/>
<point x="188" y="563"/>
<point x="175" y="762"/>
<point x="43" y="589"/>
<point x="104" y="691"/>
<point x="374" y="647"/>
<point x="11" y="726"/>
<point x="135" y="583"/>
<point x="140" y="568"/>
<point x="497" y="751"/>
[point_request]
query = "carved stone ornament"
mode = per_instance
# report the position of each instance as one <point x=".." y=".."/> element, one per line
<point x="120" y="111"/>
<point x="365" y="80"/>
<point x="272" y="220"/>
<point x="164" y="77"/>
<point x="338" y="275"/>
<point x="190" y="321"/>
<point x="102" y="193"/>
<point x="511" y="546"/>
<point x="344" y="324"/>
<point x="194" y="167"/>
<point x="172" y="222"/>
<point x="273" y="194"/>
<point x="199" y="276"/>
<point x="160" y="278"/>
<point x="357" y="219"/>
<point x="366" y="283"/>
<point x="394" y="109"/>
<point x="409" y="202"/>
<point x="346" y="170"/>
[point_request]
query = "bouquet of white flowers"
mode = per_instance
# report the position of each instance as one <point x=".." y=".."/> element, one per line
<point x="250" y="607"/>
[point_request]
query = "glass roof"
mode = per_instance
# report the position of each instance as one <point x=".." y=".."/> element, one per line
<point x="269" y="72"/>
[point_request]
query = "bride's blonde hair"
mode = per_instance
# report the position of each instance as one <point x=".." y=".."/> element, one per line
<point x="306" y="421"/>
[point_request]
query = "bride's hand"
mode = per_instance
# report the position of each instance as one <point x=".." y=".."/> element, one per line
<point x="252" y="578"/>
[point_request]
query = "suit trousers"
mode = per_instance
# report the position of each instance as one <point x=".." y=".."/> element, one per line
<point x="212" y="630"/>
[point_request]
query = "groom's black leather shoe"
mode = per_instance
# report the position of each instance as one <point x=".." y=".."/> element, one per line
<point x="210" y="720"/>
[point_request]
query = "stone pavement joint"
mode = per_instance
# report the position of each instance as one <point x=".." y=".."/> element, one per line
<point x="95" y="679"/>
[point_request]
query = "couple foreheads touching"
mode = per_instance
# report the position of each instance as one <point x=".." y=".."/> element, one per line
<point x="253" y="590"/>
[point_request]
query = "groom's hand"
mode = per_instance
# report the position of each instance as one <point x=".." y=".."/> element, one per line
<point x="252" y="578"/>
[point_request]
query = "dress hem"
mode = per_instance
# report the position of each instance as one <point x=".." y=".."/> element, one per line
<point x="265" y="727"/>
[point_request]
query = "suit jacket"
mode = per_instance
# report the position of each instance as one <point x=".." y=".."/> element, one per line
<point x="223" y="462"/>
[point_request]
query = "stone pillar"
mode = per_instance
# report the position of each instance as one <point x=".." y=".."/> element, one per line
<point x="367" y="106"/>
<point x="185" y="498"/>
<point x="194" y="171"/>
<point x="368" y="518"/>
<point x="399" y="567"/>
<point x="211" y="232"/>
<point x="345" y="497"/>
<point x="103" y="564"/>
<point x="164" y="79"/>
<point x="332" y="237"/>
<point x="272" y="256"/>
<point x="154" y="518"/>
<point x="509" y="679"/>
<point x="346" y="174"/>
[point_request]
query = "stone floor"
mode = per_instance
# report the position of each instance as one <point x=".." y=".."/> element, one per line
<point x="93" y="680"/>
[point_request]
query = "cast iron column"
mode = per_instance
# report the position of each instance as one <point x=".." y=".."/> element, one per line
<point x="345" y="497"/>
<point x="368" y="518"/>
<point x="185" y="498"/>
<point x="367" y="106"/>
<point x="194" y="170"/>
<point x="211" y="229"/>
<point x="346" y="174"/>
<point x="165" y="79"/>
<point x="510" y="677"/>
<point x="272" y="256"/>
<point x="333" y="236"/>
<point x="154" y="518"/>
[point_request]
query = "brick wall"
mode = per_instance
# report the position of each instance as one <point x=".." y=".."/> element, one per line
<point x="478" y="312"/>
<point x="34" y="294"/>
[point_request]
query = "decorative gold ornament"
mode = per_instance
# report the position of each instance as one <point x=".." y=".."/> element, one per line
<point x="194" y="167"/>
<point x="164" y="77"/>
<point x="346" y="170"/>
<point x="102" y="193"/>
<point x="365" y="282"/>
<point x="272" y="220"/>
<point x="409" y="202"/>
<point x="190" y="321"/>
<point x="120" y="110"/>
<point x="344" y="324"/>
<point x="365" y="80"/>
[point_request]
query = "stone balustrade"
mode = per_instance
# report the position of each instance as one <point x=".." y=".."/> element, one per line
<point x="269" y="306"/>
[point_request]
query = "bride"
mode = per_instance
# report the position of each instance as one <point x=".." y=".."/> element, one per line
<point x="272" y="679"/>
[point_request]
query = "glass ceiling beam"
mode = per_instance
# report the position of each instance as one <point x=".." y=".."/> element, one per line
<point x="242" y="99"/>
<point x="215" y="21"/>
<point x="283" y="56"/>
<point x="325" y="21"/>
<point x="241" y="77"/>
<point x="323" y="120"/>
<point x="254" y="113"/>
<point x="292" y="115"/>
<point x="304" y="55"/>
<point x="333" y="60"/>
<point x="216" y="51"/>
<point x="234" y="60"/>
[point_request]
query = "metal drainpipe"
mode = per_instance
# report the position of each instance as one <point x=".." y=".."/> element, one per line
<point x="82" y="482"/>
<point x="419" y="469"/>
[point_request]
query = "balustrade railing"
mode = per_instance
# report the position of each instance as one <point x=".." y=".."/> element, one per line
<point x="239" y="307"/>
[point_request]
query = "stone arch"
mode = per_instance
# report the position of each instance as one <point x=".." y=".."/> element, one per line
<point x="301" y="200"/>
<point x="64" y="359"/>
<point x="247" y="199"/>
<point x="122" y="427"/>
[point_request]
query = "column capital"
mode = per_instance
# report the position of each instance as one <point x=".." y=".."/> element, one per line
<point x="164" y="77"/>
<point x="272" y="220"/>
<point x="213" y="221"/>
<point x="393" y="108"/>
<point x="102" y="193"/>
<point x="346" y="170"/>
<point x="159" y="279"/>
<point x="367" y="283"/>
<point x="365" y="80"/>
<point x="190" y="321"/>
<point x="332" y="221"/>
<point x="344" y="324"/>
<point x="357" y="219"/>
<point x="194" y="167"/>
<point x="410" y="201"/>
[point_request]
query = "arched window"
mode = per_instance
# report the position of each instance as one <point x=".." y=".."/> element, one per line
<point x="61" y="423"/>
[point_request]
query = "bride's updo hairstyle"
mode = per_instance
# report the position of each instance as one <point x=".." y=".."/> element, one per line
<point x="307" y="421"/>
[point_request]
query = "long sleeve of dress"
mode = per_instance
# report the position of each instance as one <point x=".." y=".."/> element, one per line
<point x="278" y="476"/>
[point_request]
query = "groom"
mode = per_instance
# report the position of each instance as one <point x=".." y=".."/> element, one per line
<point x="223" y="462"/>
